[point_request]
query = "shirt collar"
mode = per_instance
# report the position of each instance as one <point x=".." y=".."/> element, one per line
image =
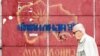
<point x="83" y="38"/>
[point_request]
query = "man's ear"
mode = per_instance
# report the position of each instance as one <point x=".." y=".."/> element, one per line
<point x="81" y="33"/>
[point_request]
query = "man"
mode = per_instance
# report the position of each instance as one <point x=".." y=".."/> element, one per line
<point x="86" y="44"/>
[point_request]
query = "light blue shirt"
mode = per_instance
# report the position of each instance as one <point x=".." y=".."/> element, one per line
<point x="87" y="46"/>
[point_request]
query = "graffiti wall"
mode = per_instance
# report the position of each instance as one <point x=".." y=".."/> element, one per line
<point x="25" y="42"/>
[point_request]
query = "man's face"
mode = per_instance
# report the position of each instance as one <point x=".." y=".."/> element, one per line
<point x="78" y="34"/>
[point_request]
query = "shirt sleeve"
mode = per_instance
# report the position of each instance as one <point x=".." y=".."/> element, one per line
<point x="90" y="48"/>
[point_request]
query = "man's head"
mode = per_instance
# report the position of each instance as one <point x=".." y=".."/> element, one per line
<point x="78" y="31"/>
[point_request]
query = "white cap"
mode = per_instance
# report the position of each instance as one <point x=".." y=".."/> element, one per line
<point x="79" y="27"/>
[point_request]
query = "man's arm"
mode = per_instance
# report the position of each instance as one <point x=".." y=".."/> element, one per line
<point x="90" y="48"/>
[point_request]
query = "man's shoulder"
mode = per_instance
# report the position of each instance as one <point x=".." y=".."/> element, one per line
<point x="89" y="38"/>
